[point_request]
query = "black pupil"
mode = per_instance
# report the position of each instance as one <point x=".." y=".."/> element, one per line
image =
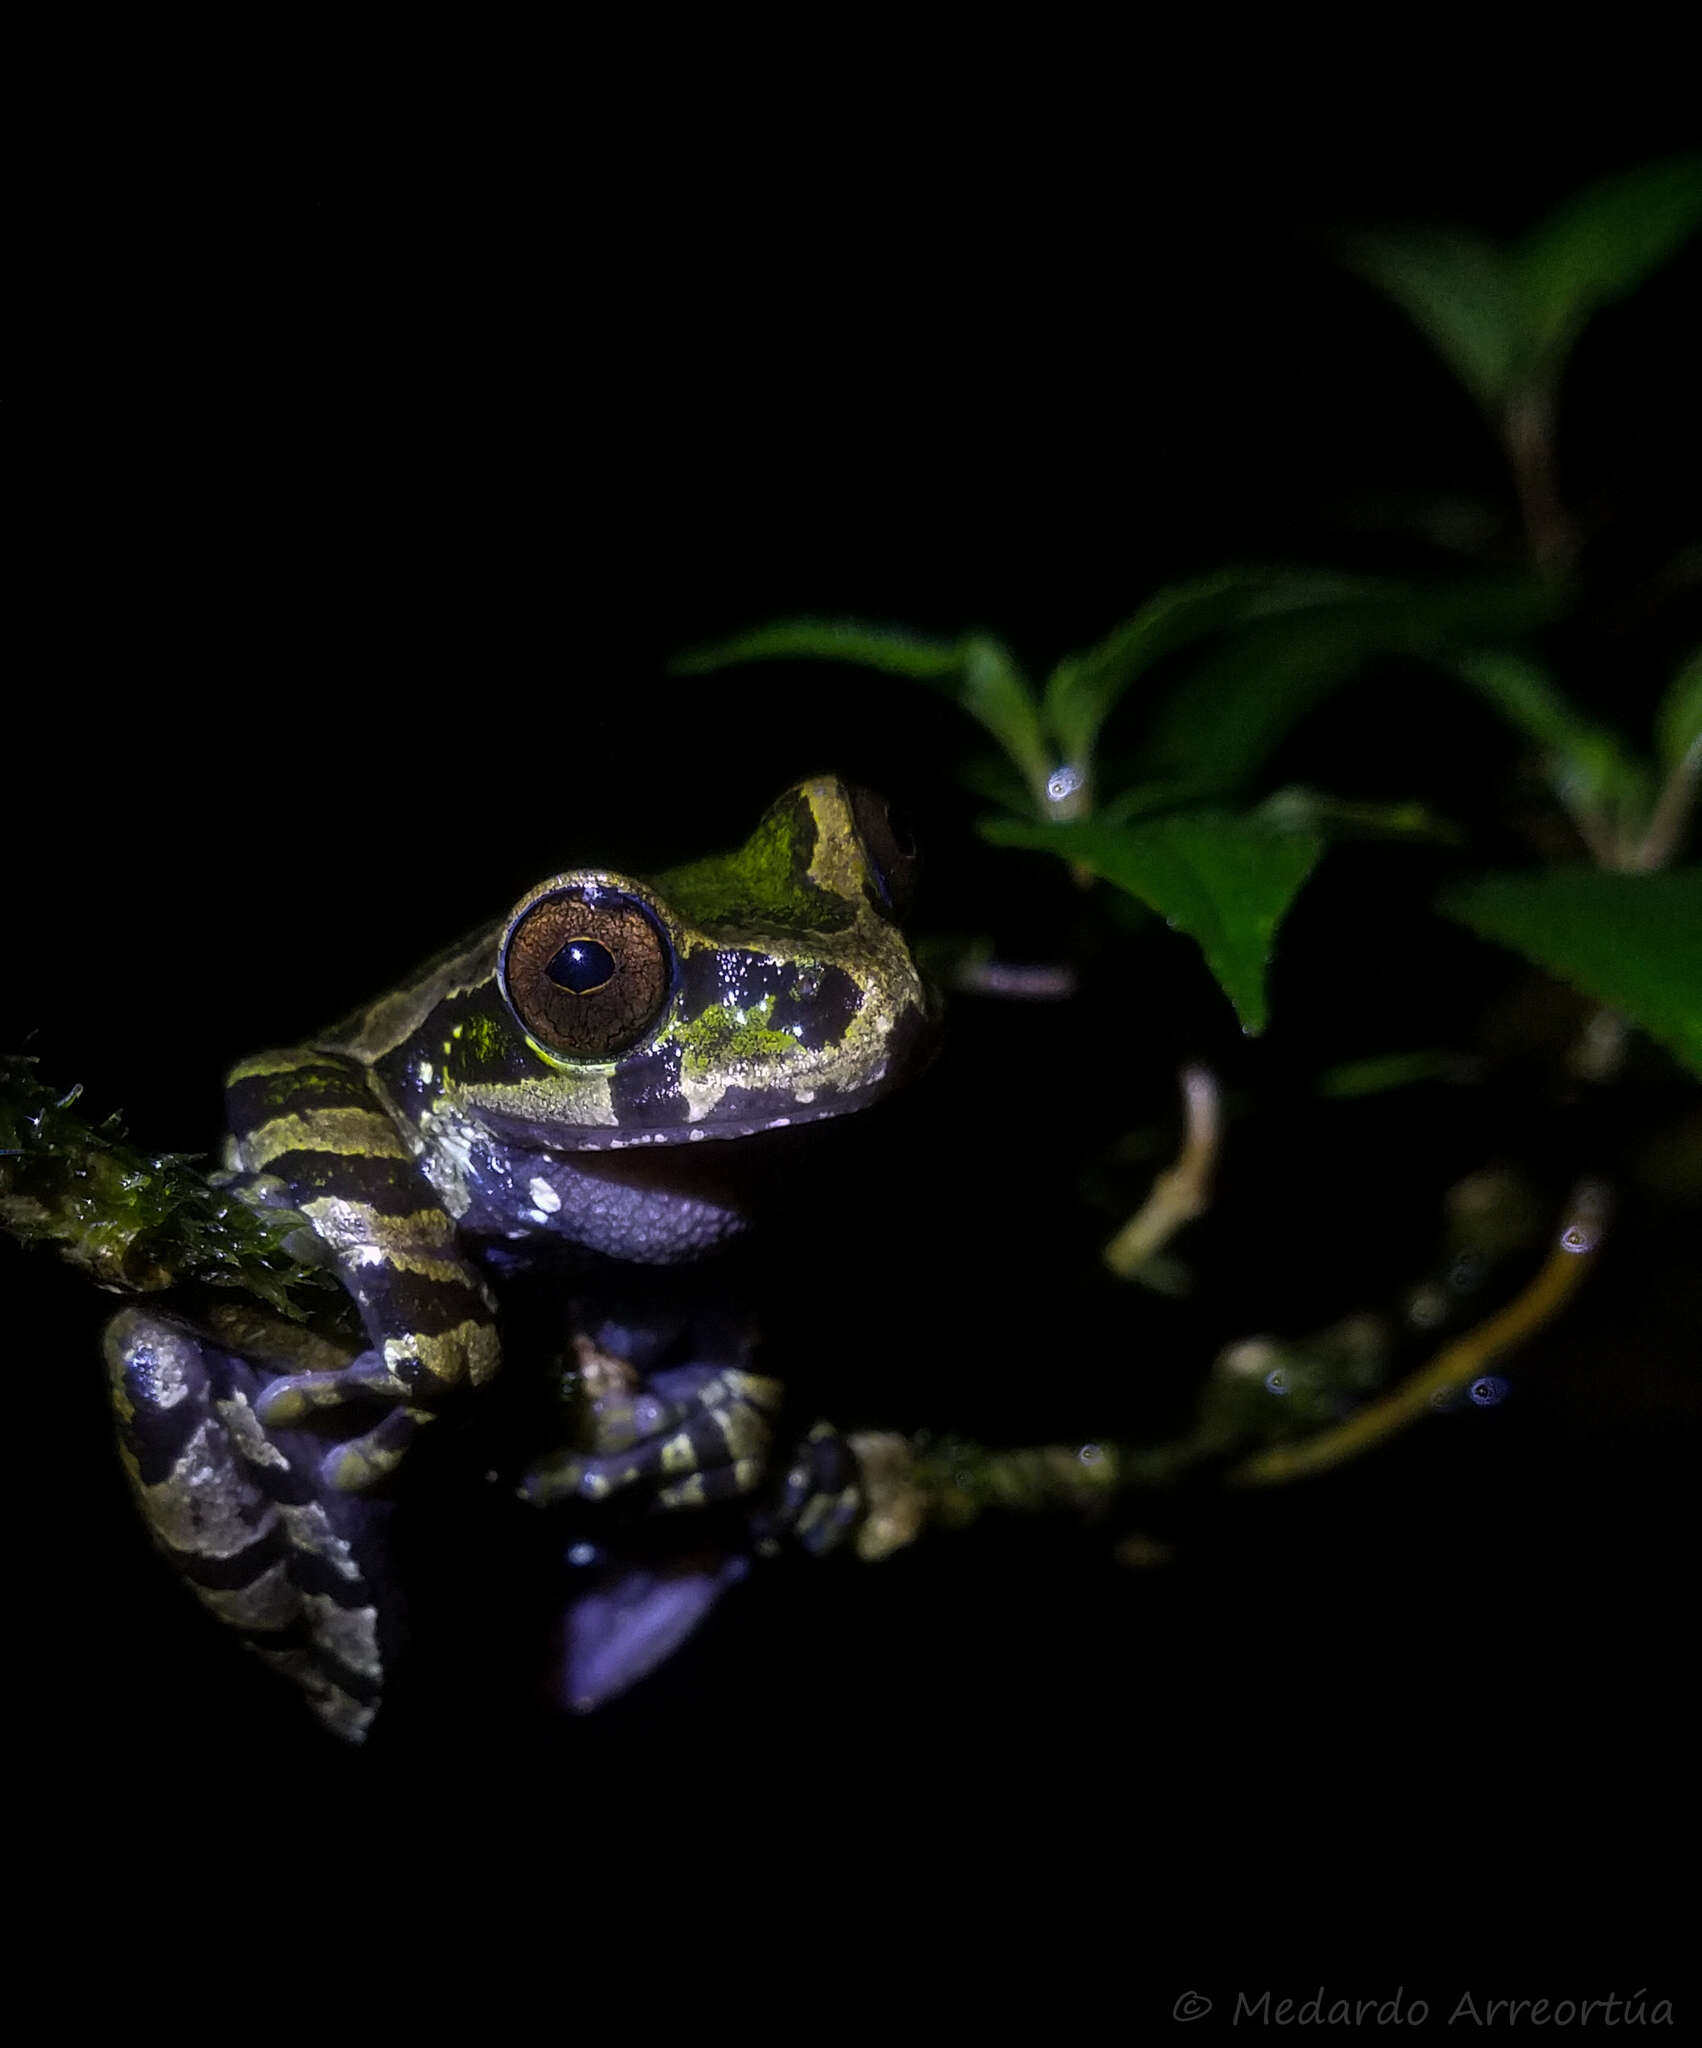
<point x="581" y="966"/>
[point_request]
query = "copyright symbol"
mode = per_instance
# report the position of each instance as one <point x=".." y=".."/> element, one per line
<point x="1192" y="2005"/>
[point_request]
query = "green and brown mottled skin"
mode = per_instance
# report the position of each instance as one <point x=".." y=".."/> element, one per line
<point x="769" y="987"/>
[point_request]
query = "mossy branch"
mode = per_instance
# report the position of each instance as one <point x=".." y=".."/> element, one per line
<point x="136" y="1222"/>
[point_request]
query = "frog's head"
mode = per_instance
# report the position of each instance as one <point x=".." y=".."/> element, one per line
<point x="768" y="987"/>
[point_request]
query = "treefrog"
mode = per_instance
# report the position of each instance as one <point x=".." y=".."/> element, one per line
<point x="540" y="1085"/>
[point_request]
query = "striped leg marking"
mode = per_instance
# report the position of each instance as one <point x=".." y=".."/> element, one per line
<point x="243" y="1522"/>
<point x="307" y="1123"/>
<point x="711" y="1443"/>
<point x="822" y="1496"/>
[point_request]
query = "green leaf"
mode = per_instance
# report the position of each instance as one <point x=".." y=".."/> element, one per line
<point x="1525" y="695"/>
<point x="1377" y="1075"/>
<point x="979" y="672"/>
<point x="1601" y="245"/>
<point x="1309" y="810"/>
<point x="1462" y="292"/>
<point x="1593" y="774"/>
<point x="1084" y="688"/>
<point x="1633" y="942"/>
<point x="995" y="691"/>
<point x="1234" y="705"/>
<point x="1452" y="521"/>
<point x="1224" y="879"/>
<point x="993" y="778"/>
<point x="889" y="648"/>
<point x="1238" y="702"/>
<point x="1678" y="723"/>
<point x="1141" y="799"/>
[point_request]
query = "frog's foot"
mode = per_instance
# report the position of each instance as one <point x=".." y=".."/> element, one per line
<point x="694" y="1438"/>
<point x="360" y="1461"/>
<point x="293" y="1397"/>
<point x="291" y="1570"/>
<point x="821" y="1497"/>
<point x="364" y="1460"/>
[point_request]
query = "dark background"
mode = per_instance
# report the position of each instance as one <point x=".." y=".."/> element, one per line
<point x="360" y="518"/>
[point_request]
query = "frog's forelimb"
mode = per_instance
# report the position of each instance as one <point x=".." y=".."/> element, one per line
<point x="696" y="1435"/>
<point x="308" y="1120"/>
<point x="822" y="1497"/>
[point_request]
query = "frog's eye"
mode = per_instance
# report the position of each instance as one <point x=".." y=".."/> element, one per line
<point x="891" y="846"/>
<point x="586" y="971"/>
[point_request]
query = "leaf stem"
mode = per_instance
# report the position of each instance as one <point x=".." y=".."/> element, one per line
<point x="1181" y="1193"/>
<point x="1670" y="819"/>
<point x="1527" y="427"/>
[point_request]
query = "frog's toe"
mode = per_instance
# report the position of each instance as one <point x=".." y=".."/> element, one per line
<point x="828" y="1519"/>
<point x="292" y="1397"/>
<point x="822" y="1495"/>
<point x="364" y="1460"/>
<point x="673" y="1461"/>
<point x="715" y="1453"/>
<point x="552" y="1480"/>
<point x="714" y="1482"/>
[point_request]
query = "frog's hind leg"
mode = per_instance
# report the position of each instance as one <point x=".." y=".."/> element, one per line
<point x="241" y="1515"/>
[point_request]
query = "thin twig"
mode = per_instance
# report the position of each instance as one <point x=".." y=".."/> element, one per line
<point x="1671" y="815"/>
<point x="1456" y="1365"/>
<point x="1528" y="427"/>
<point x="1181" y="1193"/>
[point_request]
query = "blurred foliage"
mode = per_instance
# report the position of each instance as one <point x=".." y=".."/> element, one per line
<point x="1505" y="319"/>
<point x="1261" y="650"/>
<point x="1226" y="667"/>
<point x="1213" y="679"/>
<point x="1678" y="727"/>
<point x="1631" y="941"/>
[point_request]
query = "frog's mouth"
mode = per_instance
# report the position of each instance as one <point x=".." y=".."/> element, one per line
<point x="717" y="1173"/>
<point x="763" y="1114"/>
<point x="651" y="1195"/>
<point x="660" y="1204"/>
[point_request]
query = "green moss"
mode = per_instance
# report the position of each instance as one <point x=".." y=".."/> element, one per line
<point x="765" y="883"/>
<point x="140" y="1222"/>
<point x="723" y="1036"/>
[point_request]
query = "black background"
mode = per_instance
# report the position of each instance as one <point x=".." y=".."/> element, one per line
<point x="359" y="519"/>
